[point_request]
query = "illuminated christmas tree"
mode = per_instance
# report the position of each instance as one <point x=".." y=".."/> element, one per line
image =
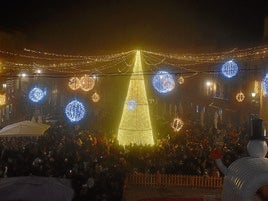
<point x="135" y="125"/>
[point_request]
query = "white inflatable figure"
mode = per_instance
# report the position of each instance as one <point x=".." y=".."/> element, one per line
<point x="246" y="175"/>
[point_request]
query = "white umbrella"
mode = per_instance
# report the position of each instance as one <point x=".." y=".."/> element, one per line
<point x="24" y="129"/>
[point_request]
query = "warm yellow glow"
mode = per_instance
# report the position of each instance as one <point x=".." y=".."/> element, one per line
<point x="23" y="75"/>
<point x="208" y="83"/>
<point x="38" y="71"/>
<point x="2" y="99"/>
<point x="87" y="83"/>
<point x="1" y="67"/>
<point x="95" y="97"/>
<point x="256" y="86"/>
<point x="135" y="125"/>
<point x="240" y="96"/>
<point x="180" y="80"/>
<point x="177" y="124"/>
<point x="74" y="83"/>
<point x="253" y="94"/>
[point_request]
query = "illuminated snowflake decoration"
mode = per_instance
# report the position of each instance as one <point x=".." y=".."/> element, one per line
<point x="240" y="97"/>
<point x="229" y="69"/>
<point x="95" y="97"/>
<point x="36" y="94"/>
<point x="75" y="111"/>
<point x="131" y="104"/>
<point x="177" y="124"/>
<point x="264" y="84"/>
<point x="163" y="82"/>
<point x="74" y="83"/>
<point x="87" y="83"/>
<point x="180" y="80"/>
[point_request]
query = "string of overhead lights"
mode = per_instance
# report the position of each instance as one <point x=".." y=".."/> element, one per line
<point x="80" y="57"/>
<point x="78" y="66"/>
<point x="122" y="63"/>
<point x="215" y="57"/>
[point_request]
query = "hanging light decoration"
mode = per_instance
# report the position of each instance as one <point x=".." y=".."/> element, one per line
<point x="177" y="124"/>
<point x="75" y="111"/>
<point x="229" y="69"/>
<point x="264" y="84"/>
<point x="37" y="94"/>
<point x="74" y="83"/>
<point x="131" y="104"/>
<point x="2" y="99"/>
<point x="95" y="97"/>
<point x="240" y="97"/>
<point x="163" y="82"/>
<point x="87" y="83"/>
<point x="180" y="80"/>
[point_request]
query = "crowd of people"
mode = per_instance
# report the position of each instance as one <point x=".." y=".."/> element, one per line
<point x="98" y="166"/>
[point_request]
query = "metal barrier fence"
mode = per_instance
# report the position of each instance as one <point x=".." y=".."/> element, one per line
<point x="174" y="180"/>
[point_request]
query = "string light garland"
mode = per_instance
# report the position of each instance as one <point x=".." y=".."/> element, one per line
<point x="254" y="53"/>
<point x="81" y="64"/>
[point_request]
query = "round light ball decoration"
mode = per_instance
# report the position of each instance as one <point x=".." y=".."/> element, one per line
<point x="37" y="94"/>
<point x="163" y="82"/>
<point x="95" y="97"/>
<point x="180" y="80"/>
<point x="229" y="69"/>
<point x="87" y="83"/>
<point x="74" y="83"/>
<point x="177" y="124"/>
<point x="264" y="84"/>
<point x="240" y="97"/>
<point x="75" y="111"/>
<point x="131" y="104"/>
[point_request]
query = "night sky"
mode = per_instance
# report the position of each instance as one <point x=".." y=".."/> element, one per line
<point x="98" y="26"/>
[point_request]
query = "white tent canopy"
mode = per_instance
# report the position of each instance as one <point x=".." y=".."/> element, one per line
<point x="24" y="129"/>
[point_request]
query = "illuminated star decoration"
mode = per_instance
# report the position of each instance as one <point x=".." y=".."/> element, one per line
<point x="240" y="96"/>
<point x="163" y="82"/>
<point x="75" y="111"/>
<point x="229" y="69"/>
<point x="131" y="104"/>
<point x="36" y="94"/>
<point x="177" y="124"/>
<point x="264" y="84"/>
